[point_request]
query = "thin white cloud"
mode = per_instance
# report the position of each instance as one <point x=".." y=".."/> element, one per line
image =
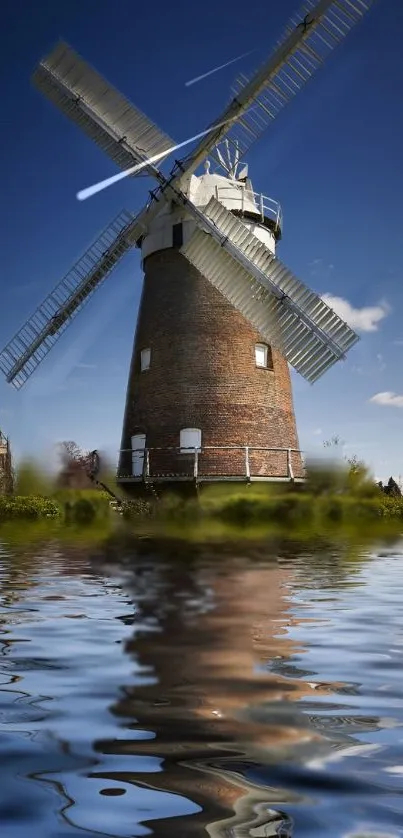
<point x="87" y="366"/>
<point x="317" y="432"/>
<point x="387" y="399"/>
<point x="398" y="342"/>
<point x="364" y="319"/>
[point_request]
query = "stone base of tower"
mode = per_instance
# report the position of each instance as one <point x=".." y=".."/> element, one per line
<point x="195" y="380"/>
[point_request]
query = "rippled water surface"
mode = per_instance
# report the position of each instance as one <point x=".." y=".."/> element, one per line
<point x="146" y="692"/>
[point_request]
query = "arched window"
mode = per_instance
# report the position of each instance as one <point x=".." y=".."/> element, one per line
<point x="189" y="440"/>
<point x="145" y="359"/>
<point x="263" y="356"/>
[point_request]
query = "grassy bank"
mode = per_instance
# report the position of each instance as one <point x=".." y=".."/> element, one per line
<point x="335" y="503"/>
<point x="256" y="512"/>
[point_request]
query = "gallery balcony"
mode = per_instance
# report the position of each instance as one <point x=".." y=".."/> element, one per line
<point x="211" y="464"/>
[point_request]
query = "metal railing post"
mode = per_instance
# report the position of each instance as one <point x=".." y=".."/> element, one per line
<point x="146" y="465"/>
<point x="196" y="464"/>
<point x="290" y="472"/>
<point x="261" y="207"/>
<point x="243" y="198"/>
<point x="247" y="464"/>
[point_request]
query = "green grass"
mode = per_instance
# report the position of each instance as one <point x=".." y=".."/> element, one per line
<point x="331" y="504"/>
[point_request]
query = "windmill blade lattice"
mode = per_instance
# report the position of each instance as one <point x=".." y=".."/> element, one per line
<point x="307" y="42"/>
<point x="265" y="290"/>
<point x="287" y="314"/>
<point x="107" y="117"/>
<point x="35" y="339"/>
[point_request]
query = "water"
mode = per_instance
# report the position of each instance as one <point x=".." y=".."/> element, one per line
<point x="216" y="694"/>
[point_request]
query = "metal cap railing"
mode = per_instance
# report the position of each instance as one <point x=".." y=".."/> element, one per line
<point x="239" y="198"/>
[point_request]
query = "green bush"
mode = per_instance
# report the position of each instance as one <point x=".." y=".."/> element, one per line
<point x="295" y="509"/>
<point x="391" y="506"/>
<point x="27" y="508"/>
<point x="32" y="480"/>
<point x="83" y="506"/>
<point x="361" y="509"/>
<point x="330" y="509"/>
<point x="302" y="509"/>
<point x="83" y="511"/>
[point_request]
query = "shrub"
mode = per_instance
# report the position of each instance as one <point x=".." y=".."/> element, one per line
<point x="391" y="506"/>
<point x="283" y="509"/>
<point x="359" y="510"/>
<point x="83" y="505"/>
<point x="27" y="508"/>
<point x="292" y="509"/>
<point x="31" y="479"/>
<point x="83" y="511"/>
<point x="330" y="509"/>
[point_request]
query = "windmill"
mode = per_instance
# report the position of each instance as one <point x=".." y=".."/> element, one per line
<point x="221" y="317"/>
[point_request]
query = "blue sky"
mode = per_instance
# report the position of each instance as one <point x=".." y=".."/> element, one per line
<point x="333" y="159"/>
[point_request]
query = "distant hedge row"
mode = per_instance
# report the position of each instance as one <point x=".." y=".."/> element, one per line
<point x="27" y="508"/>
<point x="80" y="507"/>
<point x="303" y="509"/>
<point x="290" y="509"/>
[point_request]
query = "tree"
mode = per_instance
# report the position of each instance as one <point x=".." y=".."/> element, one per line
<point x="75" y="467"/>
<point x="392" y="489"/>
<point x="352" y="474"/>
<point x="335" y="442"/>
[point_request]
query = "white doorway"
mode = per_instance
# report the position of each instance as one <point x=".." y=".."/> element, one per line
<point x="190" y="440"/>
<point x="138" y="446"/>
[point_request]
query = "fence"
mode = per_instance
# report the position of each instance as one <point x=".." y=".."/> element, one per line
<point x="211" y="463"/>
<point x="244" y="200"/>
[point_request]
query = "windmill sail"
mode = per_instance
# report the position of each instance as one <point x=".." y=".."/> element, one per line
<point x="287" y="314"/>
<point x="307" y="42"/>
<point x="120" y="129"/>
<point x="35" y="339"/>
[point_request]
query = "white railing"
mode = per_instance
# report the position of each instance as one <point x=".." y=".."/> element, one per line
<point x="190" y="460"/>
<point x="238" y="197"/>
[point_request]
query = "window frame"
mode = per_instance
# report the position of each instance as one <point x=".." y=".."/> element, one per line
<point x="144" y="368"/>
<point x="268" y="358"/>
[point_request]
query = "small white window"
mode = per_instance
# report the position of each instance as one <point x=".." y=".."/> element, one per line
<point x="190" y="438"/>
<point x="145" y="359"/>
<point x="263" y="356"/>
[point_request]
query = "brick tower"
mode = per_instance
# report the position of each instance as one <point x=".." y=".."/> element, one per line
<point x="206" y="397"/>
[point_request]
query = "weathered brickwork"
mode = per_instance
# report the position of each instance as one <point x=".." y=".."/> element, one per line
<point x="203" y="375"/>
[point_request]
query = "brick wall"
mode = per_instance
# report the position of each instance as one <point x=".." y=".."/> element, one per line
<point x="203" y="372"/>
